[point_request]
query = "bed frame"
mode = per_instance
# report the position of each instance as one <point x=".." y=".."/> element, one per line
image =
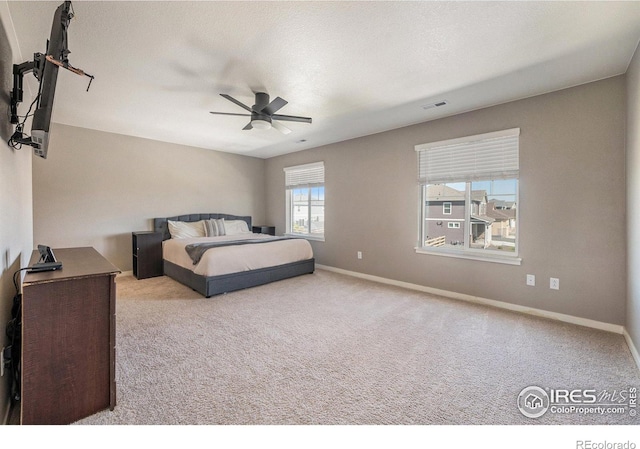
<point x="215" y="285"/>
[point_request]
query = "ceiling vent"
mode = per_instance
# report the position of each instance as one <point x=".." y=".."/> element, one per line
<point x="434" y="105"/>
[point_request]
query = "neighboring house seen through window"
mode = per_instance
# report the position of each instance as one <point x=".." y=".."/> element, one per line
<point x="469" y="197"/>
<point x="305" y="200"/>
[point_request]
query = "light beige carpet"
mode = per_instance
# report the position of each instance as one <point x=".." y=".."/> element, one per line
<point x="331" y="349"/>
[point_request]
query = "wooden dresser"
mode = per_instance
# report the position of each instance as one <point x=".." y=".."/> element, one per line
<point x="68" y="339"/>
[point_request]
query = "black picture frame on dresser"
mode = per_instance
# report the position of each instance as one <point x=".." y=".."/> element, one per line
<point x="262" y="229"/>
<point x="147" y="254"/>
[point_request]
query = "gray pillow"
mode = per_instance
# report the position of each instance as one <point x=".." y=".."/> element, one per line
<point x="214" y="227"/>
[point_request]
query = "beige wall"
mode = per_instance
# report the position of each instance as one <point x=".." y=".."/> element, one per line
<point x="572" y="188"/>
<point x="15" y="194"/>
<point x="633" y="199"/>
<point x="95" y="188"/>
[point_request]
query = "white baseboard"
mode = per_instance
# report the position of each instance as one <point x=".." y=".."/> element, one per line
<point x="632" y="348"/>
<point x="488" y="302"/>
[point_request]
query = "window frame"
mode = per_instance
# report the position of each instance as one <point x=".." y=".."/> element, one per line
<point x="465" y="251"/>
<point x="314" y="180"/>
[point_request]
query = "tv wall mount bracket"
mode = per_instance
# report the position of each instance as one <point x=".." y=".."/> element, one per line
<point x="37" y="67"/>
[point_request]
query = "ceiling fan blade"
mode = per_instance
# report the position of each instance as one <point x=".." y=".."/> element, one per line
<point x="233" y="100"/>
<point x="248" y="127"/>
<point x="291" y="118"/>
<point x="274" y="106"/>
<point x="230" y="113"/>
<point x="280" y="127"/>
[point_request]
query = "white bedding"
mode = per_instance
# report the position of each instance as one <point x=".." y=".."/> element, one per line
<point x="233" y="259"/>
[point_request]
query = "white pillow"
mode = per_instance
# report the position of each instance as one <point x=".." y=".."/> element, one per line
<point x="185" y="230"/>
<point x="235" y="227"/>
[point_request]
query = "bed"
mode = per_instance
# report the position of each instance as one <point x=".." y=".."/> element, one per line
<point x="234" y="262"/>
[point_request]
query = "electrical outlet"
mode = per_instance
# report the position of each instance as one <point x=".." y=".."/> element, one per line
<point x="531" y="280"/>
<point x="554" y="283"/>
<point x="359" y="254"/>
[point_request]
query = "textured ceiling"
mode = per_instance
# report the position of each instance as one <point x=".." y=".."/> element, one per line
<point x="355" y="67"/>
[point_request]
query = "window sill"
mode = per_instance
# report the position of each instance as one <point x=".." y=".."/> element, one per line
<point x="318" y="238"/>
<point x="471" y="255"/>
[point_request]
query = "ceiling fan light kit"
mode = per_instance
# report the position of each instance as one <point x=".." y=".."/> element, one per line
<point x="260" y="124"/>
<point x="263" y="113"/>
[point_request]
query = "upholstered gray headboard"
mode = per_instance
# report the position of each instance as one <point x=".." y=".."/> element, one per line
<point x="160" y="224"/>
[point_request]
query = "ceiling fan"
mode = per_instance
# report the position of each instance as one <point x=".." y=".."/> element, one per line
<point x="263" y="113"/>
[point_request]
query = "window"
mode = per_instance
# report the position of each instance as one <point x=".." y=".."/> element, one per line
<point x="305" y="200"/>
<point x="471" y="184"/>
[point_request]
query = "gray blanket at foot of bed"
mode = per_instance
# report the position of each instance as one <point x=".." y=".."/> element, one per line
<point x="196" y="250"/>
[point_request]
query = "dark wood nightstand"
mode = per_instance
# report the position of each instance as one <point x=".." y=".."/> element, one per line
<point x="271" y="230"/>
<point x="147" y="254"/>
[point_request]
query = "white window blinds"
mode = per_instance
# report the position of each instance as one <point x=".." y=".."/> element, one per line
<point x="308" y="175"/>
<point x="474" y="158"/>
